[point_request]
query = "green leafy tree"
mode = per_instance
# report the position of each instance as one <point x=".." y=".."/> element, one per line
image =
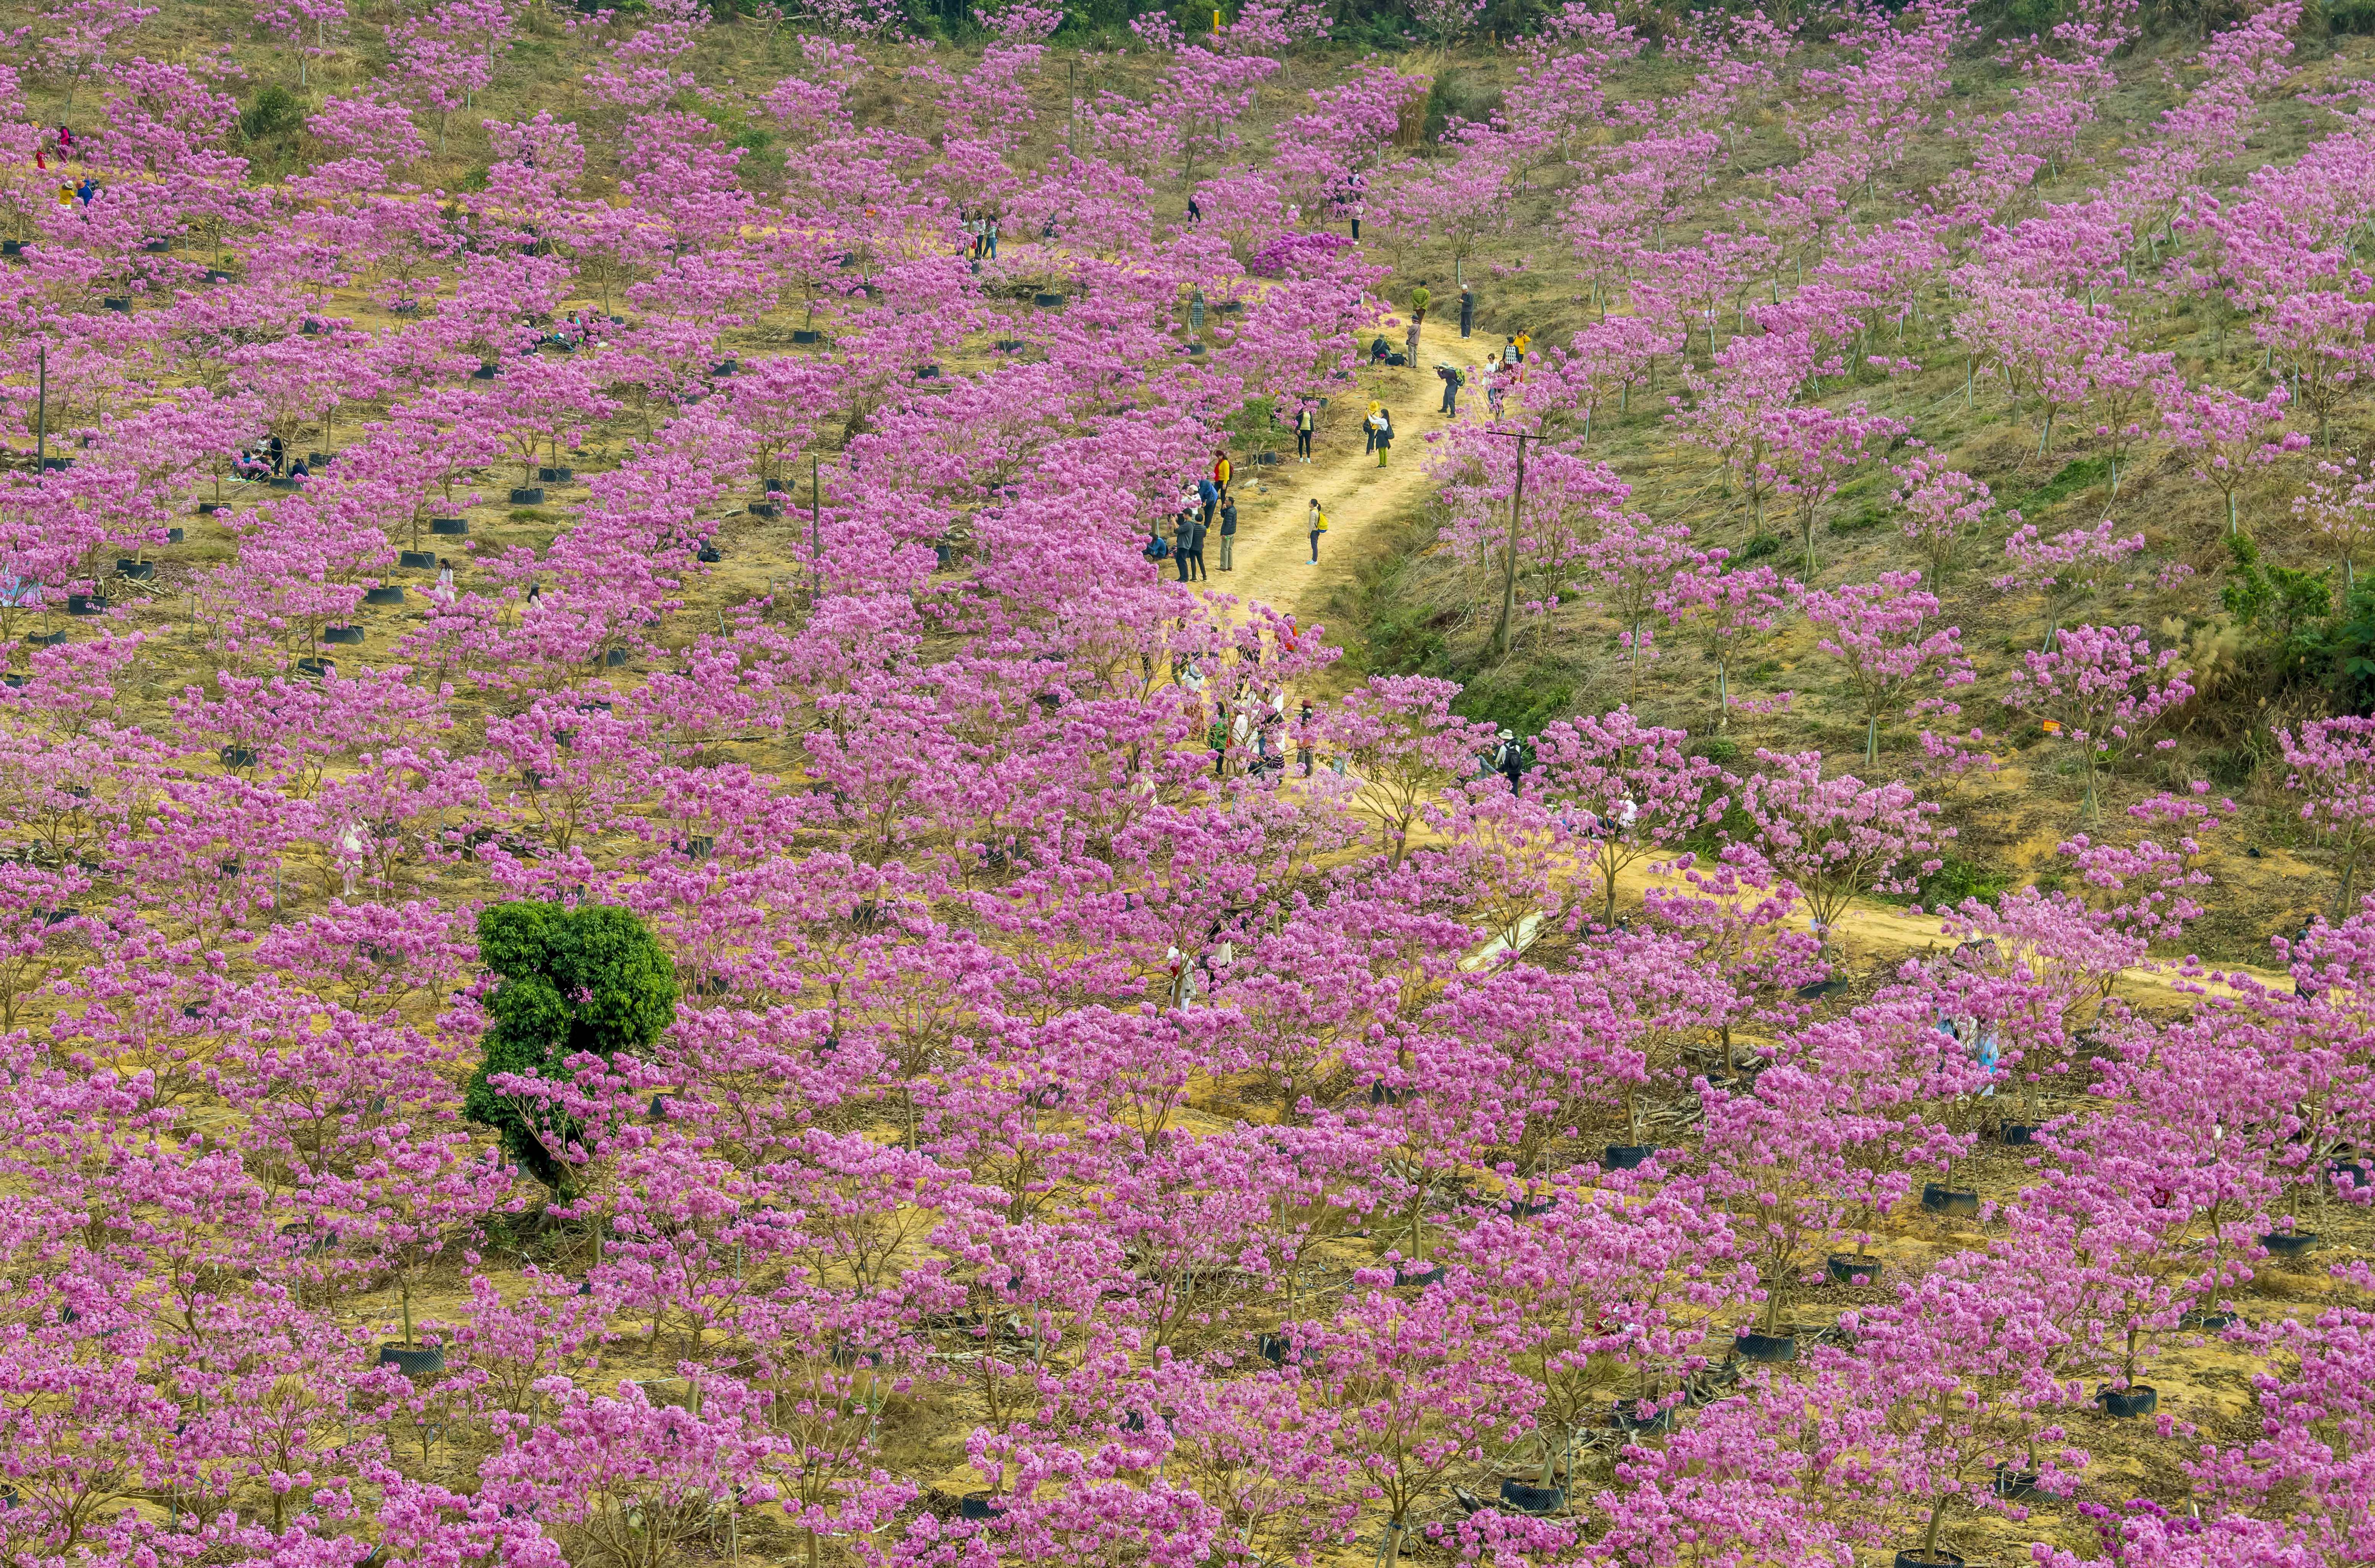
<point x="2283" y="608"/>
<point x="590" y="980"/>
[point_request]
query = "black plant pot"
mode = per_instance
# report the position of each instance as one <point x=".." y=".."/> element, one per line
<point x="449" y="528"/>
<point x="1767" y="1347"/>
<point x="2280" y="1243"/>
<point x="978" y="1505"/>
<point x="285" y="482"/>
<point x="118" y="303"/>
<point x="2012" y="1485"/>
<point x="1275" y="1348"/>
<point x="1820" y="989"/>
<point x="2016" y="1133"/>
<point x="318" y="459"/>
<point x="1948" y="1200"/>
<point x="528" y="495"/>
<point x="158" y="247"/>
<point x="1524" y="1209"/>
<point x="217" y="275"/>
<point x="2137" y="1400"/>
<point x="485" y="372"/>
<point x="765" y="509"/>
<point x="561" y="475"/>
<point x="45" y="640"/>
<point x="615" y="658"/>
<point x="725" y="367"/>
<point x="807" y="335"/>
<point x="85" y="604"/>
<point x="928" y="372"/>
<point x="309" y="329"/>
<point x="136" y="570"/>
<point x="659" y="1108"/>
<point x="1528" y="1499"/>
<point x="412" y="1361"/>
<point x="1048" y="301"/>
<point x="417" y="560"/>
<point x="1405" y="1275"/>
<point x="708" y="555"/>
<point x="209" y="508"/>
<point x="12" y="249"/>
<point x="1628" y="1419"/>
<point x="2203" y="1320"/>
<point x="1928" y="1559"/>
<point x="701" y="846"/>
<point x="387" y="595"/>
<point x="342" y="636"/>
<point x="57" y="464"/>
<point x="1010" y="345"/>
<point x="316" y="669"/>
<point x="173" y="536"/>
<point x="1847" y="1268"/>
<point x="237" y="757"/>
<point x="1626" y="1156"/>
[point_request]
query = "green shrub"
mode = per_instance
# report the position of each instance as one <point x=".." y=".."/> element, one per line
<point x="276" y="112"/>
<point x="574" y="981"/>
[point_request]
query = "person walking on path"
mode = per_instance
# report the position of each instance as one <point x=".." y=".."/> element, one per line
<point x="1182" y="532"/>
<point x="1452" y="382"/>
<point x="1466" y="310"/>
<point x="1509" y="355"/>
<point x="1315" y="523"/>
<point x="1419" y="300"/>
<point x="1369" y="424"/>
<point x="1302" y="424"/>
<point x="1228" y="535"/>
<point x="1192" y="568"/>
<point x="1384" y="423"/>
<point x="1409" y="346"/>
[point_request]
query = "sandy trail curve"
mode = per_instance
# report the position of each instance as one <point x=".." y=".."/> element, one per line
<point x="1274" y="550"/>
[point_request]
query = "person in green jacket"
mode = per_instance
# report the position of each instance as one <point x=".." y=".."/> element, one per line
<point x="1420" y="300"/>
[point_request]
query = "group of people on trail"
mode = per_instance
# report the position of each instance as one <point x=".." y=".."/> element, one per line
<point x="1199" y="508"/>
<point x="981" y="237"/>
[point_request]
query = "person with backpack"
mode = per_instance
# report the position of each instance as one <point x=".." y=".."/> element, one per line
<point x="1303" y="426"/>
<point x="1228" y="535"/>
<point x="1315" y="522"/>
<point x="1452" y="382"/>
<point x="1385" y="435"/>
<point x="1509" y="355"/>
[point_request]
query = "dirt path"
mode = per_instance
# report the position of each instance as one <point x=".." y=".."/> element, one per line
<point x="1273" y="551"/>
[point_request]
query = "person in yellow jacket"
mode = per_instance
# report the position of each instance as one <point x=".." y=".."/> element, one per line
<point x="1221" y="472"/>
<point x="1316" y="522"/>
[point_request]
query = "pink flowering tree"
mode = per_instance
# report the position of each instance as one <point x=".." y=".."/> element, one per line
<point x="1626" y="788"/>
<point x="1838" y="839"/>
<point x="2227" y="436"/>
<point x="2107" y="691"/>
<point x="1726" y="607"/>
<point x="2330" y="766"/>
<point x="1883" y="635"/>
<point x="1941" y="509"/>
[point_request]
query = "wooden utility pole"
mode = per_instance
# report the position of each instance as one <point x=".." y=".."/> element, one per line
<point x="41" y="415"/>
